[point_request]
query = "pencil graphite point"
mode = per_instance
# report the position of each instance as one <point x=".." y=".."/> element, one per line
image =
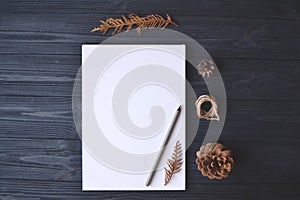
<point x="179" y="108"/>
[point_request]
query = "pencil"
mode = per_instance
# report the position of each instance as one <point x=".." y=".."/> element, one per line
<point x="164" y="143"/>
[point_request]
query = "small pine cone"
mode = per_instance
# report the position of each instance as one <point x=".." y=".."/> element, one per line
<point x="214" y="161"/>
<point x="206" y="68"/>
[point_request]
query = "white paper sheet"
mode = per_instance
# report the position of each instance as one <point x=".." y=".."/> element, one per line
<point x="147" y="82"/>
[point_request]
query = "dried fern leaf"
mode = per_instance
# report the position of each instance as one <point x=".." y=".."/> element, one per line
<point x="174" y="164"/>
<point x="118" y="24"/>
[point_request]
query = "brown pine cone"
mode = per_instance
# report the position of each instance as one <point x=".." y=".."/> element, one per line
<point x="214" y="161"/>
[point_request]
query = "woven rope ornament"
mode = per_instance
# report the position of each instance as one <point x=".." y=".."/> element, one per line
<point x="212" y="114"/>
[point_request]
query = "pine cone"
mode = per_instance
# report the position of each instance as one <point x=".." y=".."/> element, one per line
<point x="206" y="68"/>
<point x="214" y="161"/>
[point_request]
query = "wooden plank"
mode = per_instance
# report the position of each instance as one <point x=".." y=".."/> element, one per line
<point x="244" y="78"/>
<point x="37" y="129"/>
<point x="51" y="117"/>
<point x="253" y="79"/>
<point x="232" y="8"/>
<point x="43" y="117"/>
<point x="72" y="190"/>
<point x="37" y="83"/>
<point x="280" y="9"/>
<point x="35" y="159"/>
<point x="60" y="64"/>
<point x="60" y="160"/>
<point x="222" y="37"/>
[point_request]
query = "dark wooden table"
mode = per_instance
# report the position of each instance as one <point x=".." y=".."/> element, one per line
<point x="255" y="44"/>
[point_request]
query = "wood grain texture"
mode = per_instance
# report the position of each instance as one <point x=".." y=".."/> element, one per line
<point x="222" y="37"/>
<point x="60" y="160"/>
<point x="51" y="117"/>
<point x="245" y="79"/>
<point x="268" y="9"/>
<point x="57" y="190"/>
<point x="255" y="45"/>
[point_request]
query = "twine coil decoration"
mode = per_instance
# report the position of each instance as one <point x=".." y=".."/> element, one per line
<point x="212" y="113"/>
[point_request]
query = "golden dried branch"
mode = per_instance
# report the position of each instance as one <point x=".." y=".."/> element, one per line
<point x="174" y="163"/>
<point x="150" y="21"/>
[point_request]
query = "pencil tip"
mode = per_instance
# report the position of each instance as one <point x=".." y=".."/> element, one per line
<point x="179" y="108"/>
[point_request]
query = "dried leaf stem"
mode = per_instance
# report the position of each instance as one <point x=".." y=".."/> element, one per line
<point x="174" y="163"/>
<point x="150" y="21"/>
